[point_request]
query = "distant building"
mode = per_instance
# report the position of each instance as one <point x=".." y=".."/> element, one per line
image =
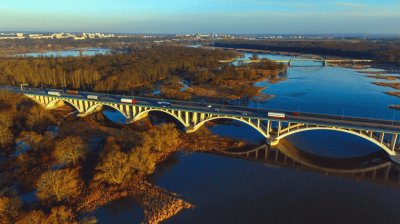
<point x="40" y="36"/>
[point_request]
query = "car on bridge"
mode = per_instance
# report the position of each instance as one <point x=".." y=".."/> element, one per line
<point x="164" y="103"/>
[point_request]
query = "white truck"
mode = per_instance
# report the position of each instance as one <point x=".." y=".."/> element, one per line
<point x="92" y="97"/>
<point x="277" y="115"/>
<point x="53" y="93"/>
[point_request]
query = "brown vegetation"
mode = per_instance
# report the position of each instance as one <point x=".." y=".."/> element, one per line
<point x="141" y="71"/>
<point x="394" y="93"/>
<point x="385" y="77"/>
<point x="119" y="73"/>
<point x="59" y="185"/>
<point x="394" y="85"/>
<point x="70" y="150"/>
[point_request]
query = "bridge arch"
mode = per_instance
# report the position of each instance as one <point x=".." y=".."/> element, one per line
<point x="145" y="113"/>
<point x="245" y="121"/>
<point x="54" y="103"/>
<point x="352" y="132"/>
<point x="100" y="106"/>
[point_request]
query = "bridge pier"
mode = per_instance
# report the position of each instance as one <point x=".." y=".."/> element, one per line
<point x="272" y="141"/>
<point x="393" y="142"/>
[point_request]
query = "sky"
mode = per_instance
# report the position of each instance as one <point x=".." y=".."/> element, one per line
<point x="202" y="16"/>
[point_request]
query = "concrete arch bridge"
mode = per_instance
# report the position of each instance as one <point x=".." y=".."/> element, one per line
<point x="193" y="115"/>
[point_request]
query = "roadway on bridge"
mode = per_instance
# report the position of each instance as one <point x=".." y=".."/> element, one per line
<point x="229" y="110"/>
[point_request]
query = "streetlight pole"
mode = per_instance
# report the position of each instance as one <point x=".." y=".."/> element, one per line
<point x="342" y="114"/>
<point x="394" y="114"/>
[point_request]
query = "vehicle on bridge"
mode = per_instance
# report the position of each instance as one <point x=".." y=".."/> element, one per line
<point x="295" y="113"/>
<point x="277" y="115"/>
<point x="164" y="103"/>
<point x="126" y="100"/>
<point x="72" y="92"/>
<point x="92" y="97"/>
<point x="53" y="93"/>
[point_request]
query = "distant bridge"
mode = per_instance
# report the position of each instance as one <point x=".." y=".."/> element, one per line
<point x="193" y="115"/>
<point x="304" y="58"/>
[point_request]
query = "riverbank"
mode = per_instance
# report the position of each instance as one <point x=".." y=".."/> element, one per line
<point x="158" y="204"/>
<point x="394" y="85"/>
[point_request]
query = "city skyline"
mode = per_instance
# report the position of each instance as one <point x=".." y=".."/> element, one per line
<point x="219" y="16"/>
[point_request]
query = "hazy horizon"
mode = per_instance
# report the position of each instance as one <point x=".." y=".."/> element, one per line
<point x="203" y="16"/>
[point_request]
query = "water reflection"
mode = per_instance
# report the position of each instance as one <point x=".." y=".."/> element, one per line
<point x="374" y="167"/>
<point x="228" y="190"/>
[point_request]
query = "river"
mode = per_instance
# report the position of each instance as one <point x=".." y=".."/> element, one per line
<point x="230" y="190"/>
<point x="68" y="53"/>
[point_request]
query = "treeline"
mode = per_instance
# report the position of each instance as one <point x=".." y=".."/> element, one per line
<point x="380" y="51"/>
<point x="118" y="73"/>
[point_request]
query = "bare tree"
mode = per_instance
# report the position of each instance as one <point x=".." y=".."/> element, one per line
<point x="70" y="150"/>
<point x="59" y="185"/>
<point x="32" y="217"/>
<point x="6" y="135"/>
<point x="114" y="168"/>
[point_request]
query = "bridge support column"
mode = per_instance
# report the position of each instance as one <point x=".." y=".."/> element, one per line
<point x="393" y="142"/>
<point x="194" y="118"/>
<point x="272" y="141"/>
<point x="381" y="137"/>
<point x="187" y="118"/>
<point x="268" y="127"/>
<point x="279" y="127"/>
<point x="81" y="107"/>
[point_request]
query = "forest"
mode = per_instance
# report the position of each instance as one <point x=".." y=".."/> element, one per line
<point x="138" y="71"/>
<point x="382" y="51"/>
<point x="118" y="72"/>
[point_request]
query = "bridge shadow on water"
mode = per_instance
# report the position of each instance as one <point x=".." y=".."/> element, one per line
<point x="375" y="167"/>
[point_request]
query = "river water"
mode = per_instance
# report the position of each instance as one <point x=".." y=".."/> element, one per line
<point x="68" y="53"/>
<point x="231" y="190"/>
